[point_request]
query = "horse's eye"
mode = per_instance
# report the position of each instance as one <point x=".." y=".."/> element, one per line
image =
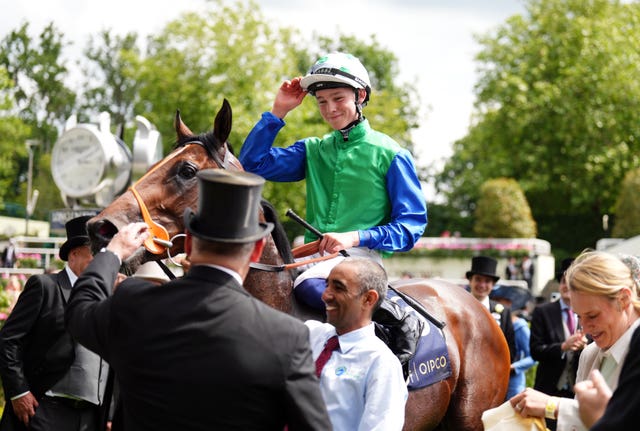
<point x="187" y="171"/>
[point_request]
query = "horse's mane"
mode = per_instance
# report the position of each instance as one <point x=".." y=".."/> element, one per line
<point x="279" y="235"/>
<point x="208" y="139"/>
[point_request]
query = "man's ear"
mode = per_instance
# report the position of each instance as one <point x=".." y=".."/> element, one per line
<point x="257" y="249"/>
<point x="362" y="94"/>
<point x="371" y="298"/>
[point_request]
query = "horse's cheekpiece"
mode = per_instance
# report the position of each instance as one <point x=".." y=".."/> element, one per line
<point x="430" y="364"/>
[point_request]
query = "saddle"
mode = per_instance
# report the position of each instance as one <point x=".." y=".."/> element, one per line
<point x="397" y="328"/>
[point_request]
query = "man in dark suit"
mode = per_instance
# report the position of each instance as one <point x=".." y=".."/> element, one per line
<point x="9" y="254"/>
<point x="42" y="388"/>
<point x="482" y="277"/>
<point x="620" y="411"/>
<point x="199" y="353"/>
<point x="556" y="343"/>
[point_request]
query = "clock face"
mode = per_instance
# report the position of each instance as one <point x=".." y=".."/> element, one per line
<point x="77" y="162"/>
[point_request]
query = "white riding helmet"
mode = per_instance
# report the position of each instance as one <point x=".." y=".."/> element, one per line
<point x="337" y="70"/>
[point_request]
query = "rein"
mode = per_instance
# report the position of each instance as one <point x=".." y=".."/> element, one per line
<point x="302" y="251"/>
<point x="159" y="241"/>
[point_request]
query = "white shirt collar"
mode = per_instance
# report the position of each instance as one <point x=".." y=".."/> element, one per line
<point x="228" y="271"/>
<point x="72" y="277"/>
<point x="352" y="338"/>
<point x="485" y="302"/>
<point x="621" y="347"/>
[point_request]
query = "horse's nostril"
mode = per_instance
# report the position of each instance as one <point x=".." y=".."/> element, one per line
<point x="102" y="230"/>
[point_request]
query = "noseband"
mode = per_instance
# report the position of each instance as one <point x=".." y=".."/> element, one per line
<point x="159" y="241"/>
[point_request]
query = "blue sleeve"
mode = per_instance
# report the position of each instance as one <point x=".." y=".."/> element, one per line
<point x="408" y="209"/>
<point x="525" y="361"/>
<point x="274" y="164"/>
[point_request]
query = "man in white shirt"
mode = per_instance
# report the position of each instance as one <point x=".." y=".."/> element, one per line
<point x="361" y="382"/>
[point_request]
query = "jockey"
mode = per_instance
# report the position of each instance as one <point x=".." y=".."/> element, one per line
<point x="363" y="191"/>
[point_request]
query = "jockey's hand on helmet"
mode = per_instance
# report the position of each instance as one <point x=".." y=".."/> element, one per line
<point x="333" y="242"/>
<point x="128" y="240"/>
<point x="289" y="96"/>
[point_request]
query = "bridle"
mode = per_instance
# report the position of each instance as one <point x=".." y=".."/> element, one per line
<point x="159" y="241"/>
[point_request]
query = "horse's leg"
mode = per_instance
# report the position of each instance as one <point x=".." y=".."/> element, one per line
<point x="484" y="376"/>
<point x="482" y="373"/>
<point x="426" y="407"/>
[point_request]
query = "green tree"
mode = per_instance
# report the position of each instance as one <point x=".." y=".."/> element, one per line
<point x="41" y="104"/>
<point x="627" y="208"/>
<point x="558" y="104"/>
<point x="503" y="211"/>
<point x="37" y="68"/>
<point x="13" y="134"/>
<point x="232" y="51"/>
<point x="228" y="51"/>
<point x="110" y="72"/>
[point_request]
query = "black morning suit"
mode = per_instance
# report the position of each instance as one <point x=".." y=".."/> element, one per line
<point x="506" y="325"/>
<point x="547" y="336"/>
<point x="197" y="353"/>
<point x="35" y="349"/>
<point x="623" y="409"/>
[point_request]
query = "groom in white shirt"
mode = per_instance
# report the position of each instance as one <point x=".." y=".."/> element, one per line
<point x="361" y="380"/>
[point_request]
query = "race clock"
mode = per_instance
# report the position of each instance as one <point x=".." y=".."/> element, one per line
<point x="90" y="164"/>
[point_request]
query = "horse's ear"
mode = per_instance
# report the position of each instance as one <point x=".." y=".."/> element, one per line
<point x="222" y="123"/>
<point x="182" y="131"/>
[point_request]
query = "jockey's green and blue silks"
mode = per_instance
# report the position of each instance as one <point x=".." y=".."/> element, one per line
<point x="368" y="183"/>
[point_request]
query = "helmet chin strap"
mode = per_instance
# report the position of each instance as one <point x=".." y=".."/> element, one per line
<point x="345" y="130"/>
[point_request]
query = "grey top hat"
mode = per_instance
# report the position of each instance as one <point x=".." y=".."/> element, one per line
<point x="483" y="265"/>
<point x="76" y="235"/>
<point x="228" y="207"/>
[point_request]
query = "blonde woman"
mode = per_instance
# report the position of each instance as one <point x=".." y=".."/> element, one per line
<point x="604" y="294"/>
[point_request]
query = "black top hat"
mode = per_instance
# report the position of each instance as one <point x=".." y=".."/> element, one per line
<point x="519" y="296"/>
<point x="564" y="265"/>
<point x="228" y="207"/>
<point x="483" y="265"/>
<point x="76" y="235"/>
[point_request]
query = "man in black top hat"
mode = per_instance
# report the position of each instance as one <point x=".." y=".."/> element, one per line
<point x="199" y="352"/>
<point x="556" y="343"/>
<point x="43" y="390"/>
<point x="482" y="277"/>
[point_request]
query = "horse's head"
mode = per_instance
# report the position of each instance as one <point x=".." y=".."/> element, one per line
<point x="167" y="189"/>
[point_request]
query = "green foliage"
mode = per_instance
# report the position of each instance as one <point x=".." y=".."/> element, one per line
<point x="445" y="218"/>
<point x="557" y="110"/>
<point x="627" y="208"/>
<point x="229" y="50"/>
<point x="13" y="133"/>
<point x="38" y="72"/>
<point x="503" y="211"/>
<point x="110" y="76"/>
<point x="49" y="194"/>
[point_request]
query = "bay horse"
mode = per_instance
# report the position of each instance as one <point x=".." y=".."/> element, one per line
<point x="478" y="353"/>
